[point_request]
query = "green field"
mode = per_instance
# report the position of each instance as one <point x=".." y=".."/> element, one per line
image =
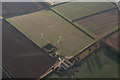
<point x="52" y="26"/>
<point x="76" y="10"/>
<point x="101" y="64"/>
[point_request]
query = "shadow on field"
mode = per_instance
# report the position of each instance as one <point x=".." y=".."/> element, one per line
<point x="89" y="67"/>
<point x="98" y="61"/>
<point x="112" y="55"/>
<point x="93" y="60"/>
<point x="90" y="64"/>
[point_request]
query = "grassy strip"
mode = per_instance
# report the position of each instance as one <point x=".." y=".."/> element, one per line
<point x="60" y="14"/>
<point x="92" y="34"/>
<point x="75" y="20"/>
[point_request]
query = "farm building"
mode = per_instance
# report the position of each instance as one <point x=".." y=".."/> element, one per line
<point x="66" y="65"/>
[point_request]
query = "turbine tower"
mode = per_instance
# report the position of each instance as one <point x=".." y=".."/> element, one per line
<point x="42" y="37"/>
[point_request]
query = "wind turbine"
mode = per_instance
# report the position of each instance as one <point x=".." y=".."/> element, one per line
<point x="42" y="37"/>
<point x="60" y="41"/>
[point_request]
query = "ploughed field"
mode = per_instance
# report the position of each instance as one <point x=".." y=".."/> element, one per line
<point x="101" y="24"/>
<point x="52" y="26"/>
<point x="10" y="9"/>
<point x="20" y="57"/>
<point x="113" y="40"/>
<point x="78" y="10"/>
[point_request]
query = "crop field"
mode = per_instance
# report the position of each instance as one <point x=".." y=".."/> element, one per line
<point x="77" y="10"/>
<point x="52" y="26"/>
<point x="101" y="24"/>
<point x="113" y="40"/>
<point x="20" y="57"/>
<point x="18" y="8"/>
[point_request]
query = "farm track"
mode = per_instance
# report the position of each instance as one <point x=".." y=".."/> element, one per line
<point x="93" y="14"/>
<point x="73" y="24"/>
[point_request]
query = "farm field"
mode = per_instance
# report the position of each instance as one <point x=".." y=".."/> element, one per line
<point x="113" y="41"/>
<point x="10" y="9"/>
<point x="20" y="57"/>
<point x="101" y="24"/>
<point x="77" y="10"/>
<point x="101" y="64"/>
<point x="52" y="26"/>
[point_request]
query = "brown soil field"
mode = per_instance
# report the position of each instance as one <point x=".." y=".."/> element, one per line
<point x="21" y="58"/>
<point x="10" y="9"/>
<point x="113" y="41"/>
<point x="101" y="24"/>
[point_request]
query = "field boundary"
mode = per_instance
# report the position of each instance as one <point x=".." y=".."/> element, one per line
<point x="97" y="41"/>
<point x="112" y="33"/>
<point x="59" y="4"/>
<point x="9" y="75"/>
<point x="73" y="24"/>
<point x="22" y="34"/>
<point x="94" y="14"/>
<point x="28" y="39"/>
<point x="61" y="14"/>
<point x="32" y="11"/>
<point x="85" y="29"/>
<point x="85" y="48"/>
